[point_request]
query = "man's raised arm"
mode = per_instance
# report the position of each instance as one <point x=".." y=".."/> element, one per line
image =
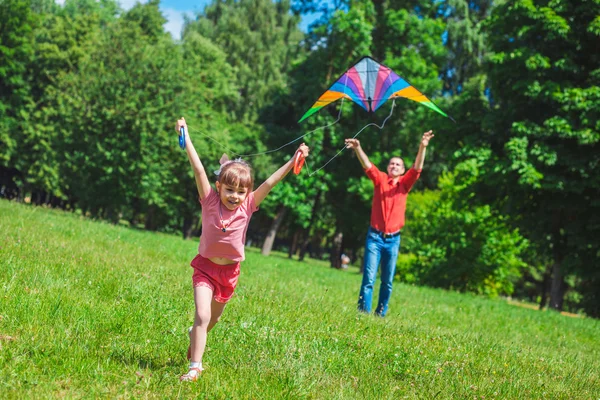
<point x="420" y="160"/>
<point x="362" y="156"/>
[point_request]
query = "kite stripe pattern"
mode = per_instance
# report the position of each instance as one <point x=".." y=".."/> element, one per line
<point x="370" y="84"/>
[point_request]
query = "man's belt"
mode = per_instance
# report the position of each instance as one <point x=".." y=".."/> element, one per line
<point x="385" y="235"/>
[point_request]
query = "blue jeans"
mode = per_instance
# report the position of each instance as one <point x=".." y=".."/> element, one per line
<point x="384" y="250"/>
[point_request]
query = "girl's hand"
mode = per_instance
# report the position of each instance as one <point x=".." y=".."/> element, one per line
<point x="180" y="123"/>
<point x="352" y="143"/>
<point x="304" y="149"/>
<point x="426" y="138"/>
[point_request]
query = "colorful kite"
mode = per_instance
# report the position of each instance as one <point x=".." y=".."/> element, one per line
<point x="370" y="84"/>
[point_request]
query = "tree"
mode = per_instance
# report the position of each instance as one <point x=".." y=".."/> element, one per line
<point x="115" y="115"/>
<point x="59" y="36"/>
<point x="260" y="39"/>
<point x="458" y="245"/>
<point x="148" y="17"/>
<point x="464" y="39"/>
<point x="544" y="78"/>
<point x="408" y="42"/>
<point x="17" y="47"/>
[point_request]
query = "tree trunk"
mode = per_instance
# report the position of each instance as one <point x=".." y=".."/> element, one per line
<point x="149" y="222"/>
<point x="56" y="202"/>
<point x="557" y="292"/>
<point x="545" y="287"/>
<point x="304" y="248"/>
<point x="268" y="243"/>
<point x="8" y="187"/>
<point x="313" y="216"/>
<point x="294" y="244"/>
<point x="112" y="215"/>
<point x="336" y="251"/>
<point x="189" y="224"/>
<point x="317" y="249"/>
<point x="38" y="197"/>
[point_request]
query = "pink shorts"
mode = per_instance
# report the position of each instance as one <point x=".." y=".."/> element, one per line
<point x="222" y="279"/>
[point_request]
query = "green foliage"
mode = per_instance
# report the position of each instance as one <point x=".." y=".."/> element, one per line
<point x="148" y="17"/>
<point x="546" y="116"/>
<point x="89" y="94"/>
<point x="104" y="118"/>
<point x="465" y="41"/>
<point x="458" y="246"/>
<point x="403" y="40"/>
<point x="534" y="120"/>
<point x="17" y="25"/>
<point x="109" y="120"/>
<point x="350" y="32"/>
<point x="260" y="39"/>
<point x="105" y="10"/>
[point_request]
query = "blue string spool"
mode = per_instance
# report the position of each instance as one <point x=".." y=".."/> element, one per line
<point x="182" y="138"/>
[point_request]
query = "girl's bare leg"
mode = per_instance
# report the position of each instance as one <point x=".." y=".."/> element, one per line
<point x="202" y="318"/>
<point x="208" y="313"/>
<point x="215" y="314"/>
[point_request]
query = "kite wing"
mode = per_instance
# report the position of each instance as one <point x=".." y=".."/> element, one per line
<point x="370" y="84"/>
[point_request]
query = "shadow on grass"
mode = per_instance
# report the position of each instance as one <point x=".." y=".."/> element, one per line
<point x="285" y="256"/>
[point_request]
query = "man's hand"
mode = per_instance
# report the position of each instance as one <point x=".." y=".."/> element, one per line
<point x="426" y="138"/>
<point x="418" y="165"/>
<point x="352" y="144"/>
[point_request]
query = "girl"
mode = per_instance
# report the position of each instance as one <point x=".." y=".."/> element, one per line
<point x="226" y="214"/>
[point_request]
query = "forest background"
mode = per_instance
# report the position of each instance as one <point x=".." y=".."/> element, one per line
<point x="508" y="203"/>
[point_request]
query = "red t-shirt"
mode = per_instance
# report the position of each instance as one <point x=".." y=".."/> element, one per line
<point x="389" y="199"/>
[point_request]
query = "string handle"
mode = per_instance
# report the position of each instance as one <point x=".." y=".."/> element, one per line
<point x="298" y="162"/>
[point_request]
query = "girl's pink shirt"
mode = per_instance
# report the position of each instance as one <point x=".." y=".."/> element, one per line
<point x="229" y="244"/>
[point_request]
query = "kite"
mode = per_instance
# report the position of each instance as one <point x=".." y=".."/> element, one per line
<point x="370" y="84"/>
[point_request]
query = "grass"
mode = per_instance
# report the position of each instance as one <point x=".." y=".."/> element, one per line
<point x="92" y="310"/>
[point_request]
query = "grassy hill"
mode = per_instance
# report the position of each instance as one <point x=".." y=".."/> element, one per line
<point x="91" y="310"/>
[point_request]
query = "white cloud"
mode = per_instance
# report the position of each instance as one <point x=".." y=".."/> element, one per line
<point x="175" y="21"/>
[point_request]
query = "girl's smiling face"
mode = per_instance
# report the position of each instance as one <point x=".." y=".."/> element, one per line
<point x="231" y="196"/>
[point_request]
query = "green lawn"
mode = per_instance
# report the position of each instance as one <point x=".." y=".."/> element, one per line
<point x="90" y="310"/>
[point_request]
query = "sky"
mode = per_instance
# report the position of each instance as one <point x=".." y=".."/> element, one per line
<point x="174" y="10"/>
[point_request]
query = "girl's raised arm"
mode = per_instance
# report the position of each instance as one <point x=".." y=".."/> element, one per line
<point x="202" y="182"/>
<point x="264" y="189"/>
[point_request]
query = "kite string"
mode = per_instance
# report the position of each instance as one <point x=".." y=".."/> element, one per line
<point x="274" y="150"/>
<point x="306" y="134"/>
<point x="353" y="137"/>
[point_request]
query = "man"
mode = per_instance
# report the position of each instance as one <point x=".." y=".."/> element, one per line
<point x="387" y="219"/>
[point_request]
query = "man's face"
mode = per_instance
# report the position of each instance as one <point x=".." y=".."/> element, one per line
<point x="395" y="167"/>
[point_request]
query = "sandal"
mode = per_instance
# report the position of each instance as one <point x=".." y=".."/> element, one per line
<point x="191" y="376"/>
